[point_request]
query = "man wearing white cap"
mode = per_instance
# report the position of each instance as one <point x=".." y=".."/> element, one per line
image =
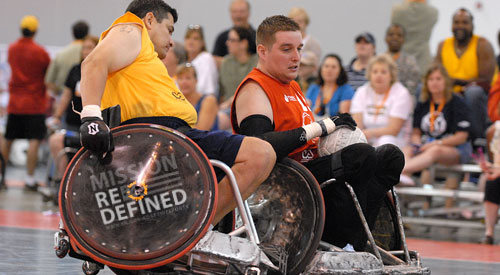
<point x="28" y="99"/>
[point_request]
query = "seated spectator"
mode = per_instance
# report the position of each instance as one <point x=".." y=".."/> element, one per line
<point x="307" y="70"/>
<point x="492" y="189"/>
<point x="205" y="105"/>
<point x="240" y="12"/>
<point x="176" y="55"/>
<point x="382" y="106"/>
<point x="300" y="16"/>
<point x="408" y="71"/>
<point x="440" y="126"/>
<point x="493" y="112"/>
<point x="234" y="67"/>
<point x="237" y="64"/>
<point x="469" y="60"/>
<point x="332" y="95"/>
<point x="365" y="50"/>
<point x="70" y="100"/>
<point x="203" y="61"/>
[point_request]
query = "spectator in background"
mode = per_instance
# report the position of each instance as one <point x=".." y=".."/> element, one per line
<point x="408" y="73"/>
<point x="205" y="105"/>
<point x="240" y="12"/>
<point x="70" y="100"/>
<point x="237" y="64"/>
<point x="300" y="16"/>
<point x="440" y="126"/>
<point x="470" y="62"/>
<point x="203" y="61"/>
<point x="332" y="95"/>
<point x="382" y="106"/>
<point x="176" y="55"/>
<point x="65" y="60"/>
<point x="365" y="50"/>
<point x="28" y="97"/>
<point x="307" y="70"/>
<point x="417" y="18"/>
<point x="492" y="188"/>
<point x="498" y="56"/>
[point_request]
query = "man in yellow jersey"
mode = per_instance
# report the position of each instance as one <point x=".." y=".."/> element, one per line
<point x="470" y="62"/>
<point x="125" y="69"/>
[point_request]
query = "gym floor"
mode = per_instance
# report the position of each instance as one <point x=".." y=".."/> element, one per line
<point x="27" y="227"/>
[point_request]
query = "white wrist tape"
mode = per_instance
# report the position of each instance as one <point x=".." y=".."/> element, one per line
<point x="91" y="110"/>
<point x="315" y="129"/>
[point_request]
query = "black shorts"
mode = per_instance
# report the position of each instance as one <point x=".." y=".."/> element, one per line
<point x="219" y="145"/>
<point x="25" y="127"/>
<point x="492" y="191"/>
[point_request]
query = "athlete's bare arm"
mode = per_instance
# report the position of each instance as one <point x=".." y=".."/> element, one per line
<point x="252" y="100"/>
<point x="117" y="50"/>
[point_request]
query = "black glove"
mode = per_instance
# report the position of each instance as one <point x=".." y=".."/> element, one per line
<point x="96" y="137"/>
<point x="344" y="120"/>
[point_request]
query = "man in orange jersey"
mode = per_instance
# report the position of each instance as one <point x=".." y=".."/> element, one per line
<point x="269" y="104"/>
<point x="125" y="69"/>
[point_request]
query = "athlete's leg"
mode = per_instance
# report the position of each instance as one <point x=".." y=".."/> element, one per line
<point x="253" y="164"/>
<point x="56" y="144"/>
<point x="32" y="156"/>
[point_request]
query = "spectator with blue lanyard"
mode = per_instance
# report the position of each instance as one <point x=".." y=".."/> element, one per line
<point x="206" y="105"/>
<point x="332" y="95"/>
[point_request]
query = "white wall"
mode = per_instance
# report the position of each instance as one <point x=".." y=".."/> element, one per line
<point x="333" y="22"/>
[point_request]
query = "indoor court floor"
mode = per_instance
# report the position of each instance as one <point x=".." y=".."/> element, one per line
<point x="27" y="227"/>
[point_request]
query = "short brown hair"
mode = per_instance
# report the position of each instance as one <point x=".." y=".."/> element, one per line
<point x="272" y="25"/>
<point x="448" y="90"/>
<point x="92" y="38"/>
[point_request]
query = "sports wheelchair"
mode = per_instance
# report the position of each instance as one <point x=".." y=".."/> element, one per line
<point x="150" y="211"/>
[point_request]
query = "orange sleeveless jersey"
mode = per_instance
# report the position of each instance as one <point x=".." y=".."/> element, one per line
<point x="290" y="110"/>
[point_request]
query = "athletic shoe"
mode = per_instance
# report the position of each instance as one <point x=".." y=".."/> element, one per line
<point x="487" y="240"/>
<point x="31" y="188"/>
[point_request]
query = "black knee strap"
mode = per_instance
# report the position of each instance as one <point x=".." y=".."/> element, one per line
<point x="337" y="166"/>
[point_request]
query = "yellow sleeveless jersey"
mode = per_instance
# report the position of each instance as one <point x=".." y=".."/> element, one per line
<point x="144" y="88"/>
<point x="464" y="67"/>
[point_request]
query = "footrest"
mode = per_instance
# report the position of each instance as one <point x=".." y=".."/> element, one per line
<point x="277" y="255"/>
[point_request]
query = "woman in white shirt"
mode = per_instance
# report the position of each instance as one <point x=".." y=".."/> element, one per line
<point x="382" y="107"/>
<point x="203" y="61"/>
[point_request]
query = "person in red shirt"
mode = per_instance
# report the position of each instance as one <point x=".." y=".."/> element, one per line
<point x="269" y="104"/>
<point x="28" y="99"/>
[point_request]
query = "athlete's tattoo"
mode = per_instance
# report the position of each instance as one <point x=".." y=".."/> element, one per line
<point x="126" y="29"/>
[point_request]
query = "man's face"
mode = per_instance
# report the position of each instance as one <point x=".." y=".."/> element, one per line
<point x="394" y="39"/>
<point x="239" y="13"/>
<point x="364" y="49"/>
<point x="161" y="35"/>
<point x="282" y="59"/>
<point x="462" y="26"/>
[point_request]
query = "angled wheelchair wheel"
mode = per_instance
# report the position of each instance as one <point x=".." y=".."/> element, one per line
<point x="145" y="209"/>
<point x="289" y="213"/>
<point x="386" y="230"/>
